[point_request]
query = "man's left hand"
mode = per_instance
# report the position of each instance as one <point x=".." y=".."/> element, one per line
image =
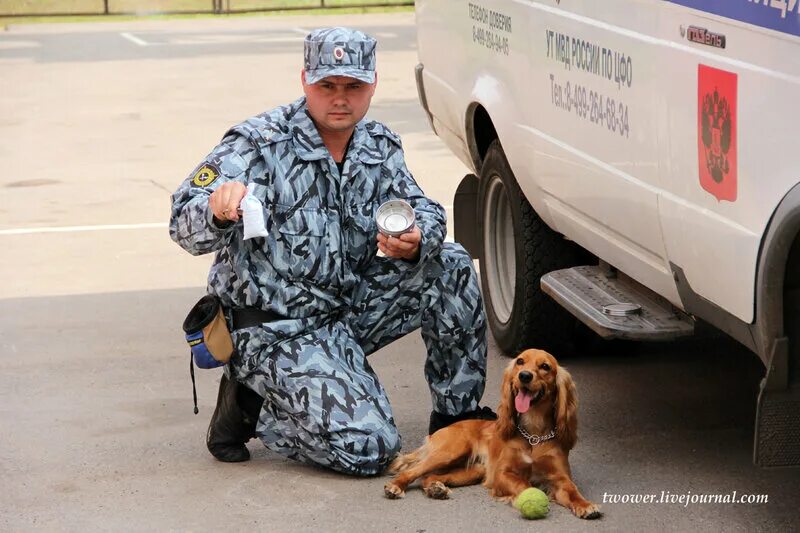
<point x="406" y="246"/>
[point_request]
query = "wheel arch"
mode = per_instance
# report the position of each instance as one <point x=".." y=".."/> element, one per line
<point x="776" y="332"/>
<point x="480" y="133"/>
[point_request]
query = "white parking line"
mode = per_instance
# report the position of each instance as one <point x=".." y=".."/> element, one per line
<point x="102" y="227"/>
<point x="226" y="40"/>
<point x="14" y="45"/>
<point x="212" y="39"/>
<point x="276" y="39"/>
<point x="72" y="229"/>
<point x="134" y="39"/>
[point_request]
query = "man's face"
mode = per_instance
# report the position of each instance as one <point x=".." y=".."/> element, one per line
<point x="337" y="103"/>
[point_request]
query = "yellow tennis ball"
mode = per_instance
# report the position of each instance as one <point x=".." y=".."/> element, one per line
<point x="532" y="503"/>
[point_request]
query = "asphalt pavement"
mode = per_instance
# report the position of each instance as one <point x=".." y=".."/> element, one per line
<point x="100" y="122"/>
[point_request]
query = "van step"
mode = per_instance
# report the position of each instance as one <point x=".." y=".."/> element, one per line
<point x="614" y="305"/>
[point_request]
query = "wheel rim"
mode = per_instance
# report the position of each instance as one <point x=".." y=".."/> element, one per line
<point x="500" y="251"/>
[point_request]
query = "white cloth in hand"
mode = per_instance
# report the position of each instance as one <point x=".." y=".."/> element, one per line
<point x="252" y="215"/>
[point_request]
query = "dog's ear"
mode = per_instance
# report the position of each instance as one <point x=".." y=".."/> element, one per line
<point x="506" y="411"/>
<point x="566" y="409"/>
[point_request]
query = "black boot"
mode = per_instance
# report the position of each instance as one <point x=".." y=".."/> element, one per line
<point x="233" y="422"/>
<point x="438" y="420"/>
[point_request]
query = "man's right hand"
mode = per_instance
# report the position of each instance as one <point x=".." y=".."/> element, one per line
<point x="224" y="202"/>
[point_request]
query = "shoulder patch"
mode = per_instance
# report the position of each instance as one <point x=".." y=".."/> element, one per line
<point x="205" y="175"/>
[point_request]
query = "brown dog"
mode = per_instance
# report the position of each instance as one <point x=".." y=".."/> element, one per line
<point x="529" y="442"/>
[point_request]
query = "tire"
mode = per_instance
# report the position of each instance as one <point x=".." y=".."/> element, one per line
<point x="517" y="249"/>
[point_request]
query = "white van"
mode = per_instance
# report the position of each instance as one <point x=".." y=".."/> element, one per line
<point x="654" y="143"/>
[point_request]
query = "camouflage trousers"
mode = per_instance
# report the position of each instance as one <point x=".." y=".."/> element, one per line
<point x="324" y="403"/>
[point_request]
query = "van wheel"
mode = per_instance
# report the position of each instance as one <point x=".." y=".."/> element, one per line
<point x="518" y="248"/>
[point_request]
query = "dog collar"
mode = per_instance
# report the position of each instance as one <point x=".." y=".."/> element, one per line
<point x="536" y="439"/>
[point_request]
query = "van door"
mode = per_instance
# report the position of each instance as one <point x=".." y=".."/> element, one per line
<point x="732" y="78"/>
<point x="596" y="102"/>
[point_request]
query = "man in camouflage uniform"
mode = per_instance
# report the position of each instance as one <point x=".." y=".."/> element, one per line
<point x="309" y="300"/>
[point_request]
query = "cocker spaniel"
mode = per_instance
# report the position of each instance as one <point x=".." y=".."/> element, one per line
<point x="529" y="443"/>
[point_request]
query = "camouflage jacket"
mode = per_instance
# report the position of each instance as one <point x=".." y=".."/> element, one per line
<point x="321" y="225"/>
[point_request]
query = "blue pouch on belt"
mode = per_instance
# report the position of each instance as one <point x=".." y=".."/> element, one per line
<point x="207" y="333"/>
<point x="208" y="337"/>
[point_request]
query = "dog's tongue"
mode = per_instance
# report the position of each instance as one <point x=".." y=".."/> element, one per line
<point x="523" y="401"/>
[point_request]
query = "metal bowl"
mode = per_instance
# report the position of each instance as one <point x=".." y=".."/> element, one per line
<point x="395" y="217"/>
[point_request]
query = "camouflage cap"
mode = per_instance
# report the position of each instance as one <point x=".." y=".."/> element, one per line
<point x="339" y="52"/>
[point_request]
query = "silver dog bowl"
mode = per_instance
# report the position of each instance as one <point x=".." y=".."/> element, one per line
<point x="395" y="217"/>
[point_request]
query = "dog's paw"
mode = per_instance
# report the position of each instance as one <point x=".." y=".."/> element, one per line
<point x="393" y="492"/>
<point x="437" y="490"/>
<point x="587" y="511"/>
<point x="502" y="498"/>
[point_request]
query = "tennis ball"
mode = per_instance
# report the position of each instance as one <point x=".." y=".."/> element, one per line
<point x="532" y="503"/>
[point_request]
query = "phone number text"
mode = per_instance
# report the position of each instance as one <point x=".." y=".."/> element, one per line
<point x="590" y="105"/>
<point x="489" y="39"/>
